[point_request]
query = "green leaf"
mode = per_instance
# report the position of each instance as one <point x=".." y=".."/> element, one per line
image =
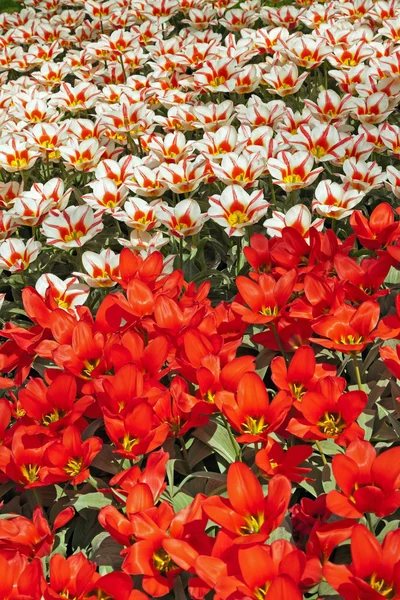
<point x="92" y="501"/>
<point x="221" y="477"/>
<point x="216" y="437"/>
<point x="325" y="590"/>
<point x="394" y="422"/>
<point x="393" y="277"/>
<point x="181" y="500"/>
<point x="284" y="532"/>
<point x="366" y="420"/>
<point x="327" y="479"/>
<point x="330" y="448"/>
<point x="98" y="540"/>
<point x="197" y="453"/>
<point x="170" y="471"/>
<point x="390" y="526"/>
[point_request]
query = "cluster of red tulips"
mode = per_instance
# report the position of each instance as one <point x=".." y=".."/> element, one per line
<point x="161" y="384"/>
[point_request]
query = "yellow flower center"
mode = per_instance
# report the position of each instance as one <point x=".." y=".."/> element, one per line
<point x="382" y="587"/>
<point x="62" y="303"/>
<point x="74" y="235"/>
<point x="261" y="592"/>
<point x="144" y="220"/>
<point x="73" y="467"/>
<point x="128" y="442"/>
<point x="218" y="81"/>
<point x="163" y="562"/>
<point x="350" y="339"/>
<point x="30" y="472"/>
<point x="297" y="390"/>
<point x="350" y="62"/>
<point x="209" y="397"/>
<point x="19" y="162"/>
<point x="237" y="218"/>
<point x="269" y="311"/>
<point x="294" y="178"/>
<point x="319" y="151"/>
<point x="253" y="524"/>
<point x="254" y="426"/>
<point x="332" y="424"/>
<point x="53" y="417"/>
<point x="90" y="366"/>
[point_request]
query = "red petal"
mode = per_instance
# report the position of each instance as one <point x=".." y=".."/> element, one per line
<point x="340" y="505"/>
<point x="252" y="397"/>
<point x="251" y="293"/>
<point x="140" y="298"/>
<point x="284" y="588"/>
<point x="385" y="471"/>
<point x="257" y="566"/>
<point x="346" y="473"/>
<point x="365" y="551"/>
<point x="302" y="365"/>
<point x="365" y="318"/>
<point x="276" y="505"/>
<point x="244" y="490"/>
<point x="139" y="499"/>
<point x="233" y="372"/>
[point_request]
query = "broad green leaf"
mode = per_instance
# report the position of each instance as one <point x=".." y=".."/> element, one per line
<point x="393" y="277"/>
<point x="325" y="590"/>
<point x="284" y="532"/>
<point x="366" y="421"/>
<point x="393" y="525"/>
<point x="382" y="412"/>
<point x="93" y="501"/>
<point x="330" y="448"/>
<point x="216" y="436"/>
<point x="181" y="500"/>
<point x="327" y="479"/>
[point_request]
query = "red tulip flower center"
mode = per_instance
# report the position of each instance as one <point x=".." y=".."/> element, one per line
<point x="163" y="562"/>
<point x="254" y="426"/>
<point x="253" y="524"/>
<point x="331" y="424"/>
<point x="30" y="472"/>
<point x="382" y="587"/>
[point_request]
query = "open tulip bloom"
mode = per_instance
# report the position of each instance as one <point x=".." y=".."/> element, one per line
<point x="199" y="300"/>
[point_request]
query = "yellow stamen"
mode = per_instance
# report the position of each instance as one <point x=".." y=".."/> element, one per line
<point x="237" y="218"/>
<point x="30" y="472"/>
<point x="163" y="562"/>
<point x="332" y="424"/>
<point x="254" y="426"/>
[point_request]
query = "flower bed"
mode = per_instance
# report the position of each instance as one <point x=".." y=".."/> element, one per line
<point x="200" y="254"/>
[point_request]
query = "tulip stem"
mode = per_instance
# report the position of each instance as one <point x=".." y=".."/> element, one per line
<point x="184" y="451"/>
<point x="181" y="252"/>
<point x="235" y="445"/>
<point x="357" y="370"/>
<point x="238" y="254"/>
<point x="121" y="60"/>
<point x="91" y="480"/>
<point x="131" y="144"/>
<point x="272" y="190"/>
<point x="278" y="341"/>
<point x="324" y="461"/>
<point x="369" y="522"/>
<point x="37" y="497"/>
